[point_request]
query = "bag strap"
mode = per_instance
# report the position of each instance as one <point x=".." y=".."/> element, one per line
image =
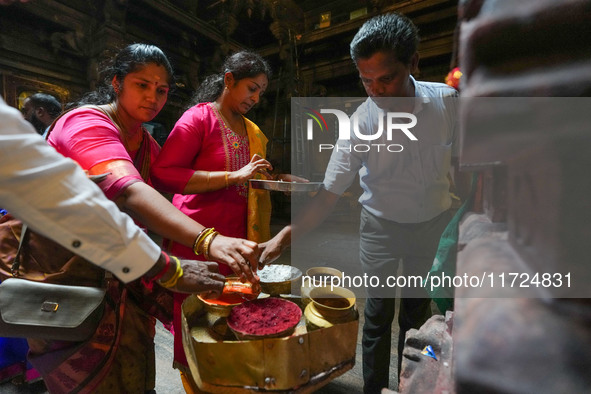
<point x="17" y="258"/>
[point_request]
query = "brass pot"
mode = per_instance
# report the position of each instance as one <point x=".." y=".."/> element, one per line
<point x="329" y="307"/>
<point x="230" y="297"/>
<point x="218" y="309"/>
<point x="283" y="287"/>
<point x="316" y="277"/>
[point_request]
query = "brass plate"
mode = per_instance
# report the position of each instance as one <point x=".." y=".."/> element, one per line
<point x="281" y="186"/>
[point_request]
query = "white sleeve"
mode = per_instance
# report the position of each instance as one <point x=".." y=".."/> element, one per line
<point x="342" y="168"/>
<point x="55" y="198"/>
<point x="345" y="162"/>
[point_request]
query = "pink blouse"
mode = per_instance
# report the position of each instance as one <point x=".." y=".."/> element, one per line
<point x="89" y="137"/>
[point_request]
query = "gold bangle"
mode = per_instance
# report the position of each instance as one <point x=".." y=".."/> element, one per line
<point x="178" y="273"/>
<point x="207" y="242"/>
<point x="200" y="239"/>
<point x="206" y="247"/>
<point x="226" y="177"/>
<point x="207" y="182"/>
<point x="196" y="243"/>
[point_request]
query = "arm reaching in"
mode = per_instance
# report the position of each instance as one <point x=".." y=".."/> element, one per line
<point x="199" y="277"/>
<point x="149" y="207"/>
<point x="321" y="205"/>
<point x="54" y="196"/>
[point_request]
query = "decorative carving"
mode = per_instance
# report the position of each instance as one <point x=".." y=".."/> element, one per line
<point x="287" y="20"/>
<point x="227" y="22"/>
<point x="78" y="40"/>
<point x="376" y="5"/>
<point x="114" y="12"/>
<point x="286" y="14"/>
<point x="14" y="85"/>
<point x="75" y="41"/>
<point x="318" y="90"/>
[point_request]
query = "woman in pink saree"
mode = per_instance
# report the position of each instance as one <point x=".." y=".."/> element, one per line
<point x="107" y="137"/>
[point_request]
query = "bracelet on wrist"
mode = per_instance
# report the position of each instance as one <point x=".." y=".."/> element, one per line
<point x="148" y="281"/>
<point x="198" y="246"/>
<point x="164" y="270"/>
<point x="178" y="273"/>
<point x="207" y="243"/>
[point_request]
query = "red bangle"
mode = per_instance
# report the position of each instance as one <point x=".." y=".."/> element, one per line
<point x="164" y="270"/>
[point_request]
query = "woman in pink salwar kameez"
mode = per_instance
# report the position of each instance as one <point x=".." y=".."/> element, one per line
<point x="207" y="160"/>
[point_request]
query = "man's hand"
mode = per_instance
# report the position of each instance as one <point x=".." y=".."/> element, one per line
<point x="200" y="277"/>
<point x="272" y="249"/>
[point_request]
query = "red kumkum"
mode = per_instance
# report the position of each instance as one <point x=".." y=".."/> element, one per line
<point x="265" y="316"/>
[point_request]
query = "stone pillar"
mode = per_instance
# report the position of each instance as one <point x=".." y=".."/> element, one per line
<point x="526" y="340"/>
<point x="535" y="215"/>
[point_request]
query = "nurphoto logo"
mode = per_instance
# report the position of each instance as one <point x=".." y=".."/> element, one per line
<point x="344" y="129"/>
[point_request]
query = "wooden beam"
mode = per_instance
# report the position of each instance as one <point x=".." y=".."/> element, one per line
<point x="437" y="46"/>
<point x="195" y="25"/>
<point x="41" y="71"/>
<point x="58" y="13"/>
<point x="354" y="24"/>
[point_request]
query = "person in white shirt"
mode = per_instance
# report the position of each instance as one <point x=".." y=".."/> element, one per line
<point x="406" y="198"/>
<point x="55" y="198"/>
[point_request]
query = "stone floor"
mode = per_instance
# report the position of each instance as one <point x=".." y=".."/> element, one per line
<point x="332" y="245"/>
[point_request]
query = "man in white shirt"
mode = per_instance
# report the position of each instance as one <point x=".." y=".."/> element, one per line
<point x="406" y="199"/>
<point x="55" y="198"/>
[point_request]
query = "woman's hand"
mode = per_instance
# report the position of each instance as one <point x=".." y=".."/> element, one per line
<point x="239" y="254"/>
<point x="257" y="165"/>
<point x="200" y="277"/>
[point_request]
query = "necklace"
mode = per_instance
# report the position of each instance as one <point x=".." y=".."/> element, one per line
<point x="122" y="130"/>
<point x="242" y="132"/>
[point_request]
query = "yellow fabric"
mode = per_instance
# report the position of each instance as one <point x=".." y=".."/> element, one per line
<point x="259" y="201"/>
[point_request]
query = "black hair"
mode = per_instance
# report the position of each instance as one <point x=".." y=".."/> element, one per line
<point x="243" y="64"/>
<point x="388" y="32"/>
<point x="47" y="101"/>
<point x="128" y="60"/>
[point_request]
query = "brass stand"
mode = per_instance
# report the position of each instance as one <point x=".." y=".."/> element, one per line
<point x="300" y="363"/>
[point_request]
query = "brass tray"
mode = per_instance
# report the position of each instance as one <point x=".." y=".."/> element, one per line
<point x="282" y="186"/>
<point x="299" y="363"/>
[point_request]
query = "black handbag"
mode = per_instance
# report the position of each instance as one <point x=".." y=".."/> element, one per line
<point x="30" y="309"/>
